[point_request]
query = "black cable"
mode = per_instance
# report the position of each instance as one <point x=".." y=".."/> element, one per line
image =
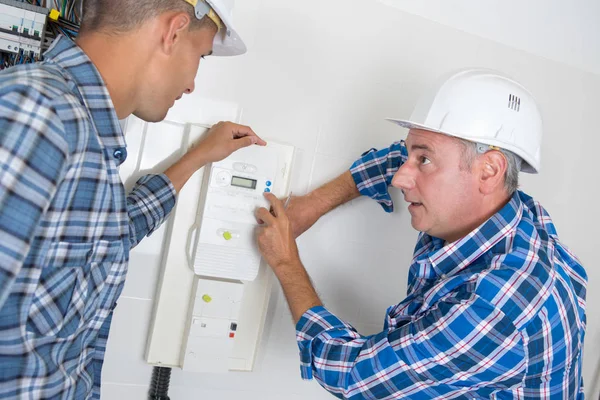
<point x="66" y="23"/>
<point x="159" y="385"/>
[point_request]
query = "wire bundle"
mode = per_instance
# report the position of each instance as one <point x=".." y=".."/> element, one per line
<point x="67" y="24"/>
<point x="69" y="20"/>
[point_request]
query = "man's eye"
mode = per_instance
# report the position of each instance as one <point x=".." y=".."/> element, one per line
<point x="425" y="160"/>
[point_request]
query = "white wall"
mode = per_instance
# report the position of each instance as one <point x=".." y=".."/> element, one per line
<point x="563" y="31"/>
<point x="322" y="75"/>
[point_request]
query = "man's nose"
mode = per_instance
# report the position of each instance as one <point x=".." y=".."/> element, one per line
<point x="404" y="178"/>
<point x="191" y="88"/>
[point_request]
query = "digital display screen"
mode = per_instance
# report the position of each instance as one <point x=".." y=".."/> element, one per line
<point x="243" y="182"/>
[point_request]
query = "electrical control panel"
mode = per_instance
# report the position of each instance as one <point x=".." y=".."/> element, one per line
<point x="234" y="189"/>
<point x="22" y="27"/>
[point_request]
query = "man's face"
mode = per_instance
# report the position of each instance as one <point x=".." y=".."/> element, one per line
<point x="171" y="76"/>
<point x="443" y="195"/>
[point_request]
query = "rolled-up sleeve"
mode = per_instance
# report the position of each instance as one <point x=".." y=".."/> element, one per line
<point x="373" y="172"/>
<point x="148" y="205"/>
<point x="313" y="324"/>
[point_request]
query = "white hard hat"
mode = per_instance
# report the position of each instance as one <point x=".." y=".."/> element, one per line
<point x="485" y="107"/>
<point x="227" y="41"/>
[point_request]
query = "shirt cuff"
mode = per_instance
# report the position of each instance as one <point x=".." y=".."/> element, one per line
<point x="370" y="179"/>
<point x="156" y="197"/>
<point x="315" y="323"/>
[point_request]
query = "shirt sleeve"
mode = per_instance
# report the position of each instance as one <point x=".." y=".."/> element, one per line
<point x="452" y="348"/>
<point x="373" y="172"/>
<point x="148" y="205"/>
<point x="34" y="158"/>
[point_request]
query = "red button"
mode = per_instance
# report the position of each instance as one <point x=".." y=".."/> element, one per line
<point x="231" y="334"/>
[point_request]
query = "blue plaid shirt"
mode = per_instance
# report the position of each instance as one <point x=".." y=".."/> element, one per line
<point x="66" y="224"/>
<point x="499" y="314"/>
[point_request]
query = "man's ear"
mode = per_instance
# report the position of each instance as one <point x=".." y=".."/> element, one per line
<point x="174" y="26"/>
<point x="492" y="171"/>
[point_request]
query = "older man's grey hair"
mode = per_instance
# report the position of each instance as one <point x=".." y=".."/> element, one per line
<point x="514" y="162"/>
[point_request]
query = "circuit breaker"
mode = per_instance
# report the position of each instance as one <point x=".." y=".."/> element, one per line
<point x="22" y="27"/>
<point x="212" y="326"/>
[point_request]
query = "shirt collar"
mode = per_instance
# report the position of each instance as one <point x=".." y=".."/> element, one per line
<point x="92" y="90"/>
<point x="453" y="257"/>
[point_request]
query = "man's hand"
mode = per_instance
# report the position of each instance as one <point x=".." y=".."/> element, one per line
<point x="278" y="247"/>
<point x="223" y="139"/>
<point x="276" y="240"/>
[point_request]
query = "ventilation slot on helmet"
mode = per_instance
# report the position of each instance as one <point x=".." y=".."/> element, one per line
<point x="514" y="102"/>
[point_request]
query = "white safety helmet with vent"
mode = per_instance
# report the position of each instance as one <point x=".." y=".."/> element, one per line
<point x="483" y="106"/>
<point x="227" y="41"/>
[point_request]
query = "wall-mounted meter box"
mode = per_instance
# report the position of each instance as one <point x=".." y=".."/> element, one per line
<point x="233" y="189"/>
<point x="212" y="320"/>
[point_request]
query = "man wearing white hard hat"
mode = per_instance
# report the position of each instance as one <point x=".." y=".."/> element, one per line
<point x="496" y="303"/>
<point x="66" y="224"/>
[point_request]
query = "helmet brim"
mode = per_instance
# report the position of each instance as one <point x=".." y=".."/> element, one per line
<point x="525" y="167"/>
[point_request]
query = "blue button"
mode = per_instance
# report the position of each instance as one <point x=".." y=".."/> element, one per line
<point x="267" y="190"/>
<point x="268" y="183"/>
<point x="120" y="155"/>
